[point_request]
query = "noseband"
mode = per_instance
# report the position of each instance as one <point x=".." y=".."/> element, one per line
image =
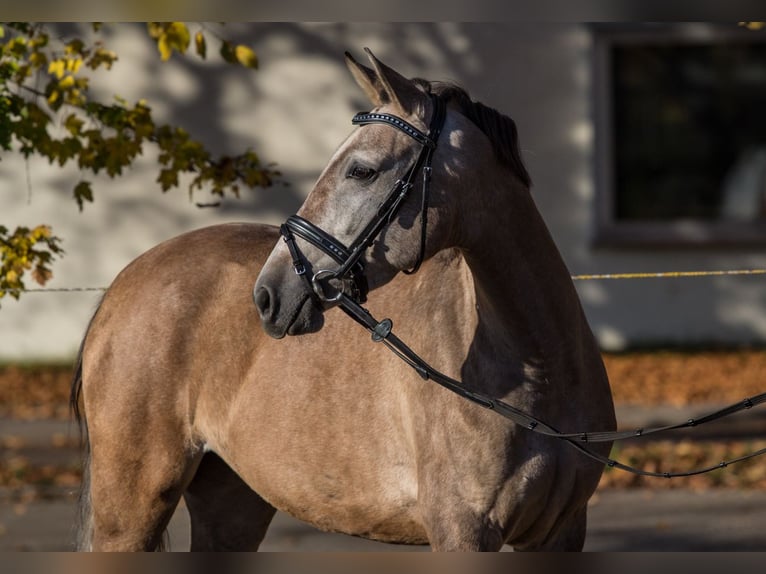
<point x="329" y="284"/>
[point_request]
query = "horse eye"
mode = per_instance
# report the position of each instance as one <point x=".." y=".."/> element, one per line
<point x="361" y="172"/>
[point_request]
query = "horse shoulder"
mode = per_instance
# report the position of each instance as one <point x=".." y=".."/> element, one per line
<point x="176" y="318"/>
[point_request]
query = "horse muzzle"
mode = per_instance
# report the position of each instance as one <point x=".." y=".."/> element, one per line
<point x="286" y="307"/>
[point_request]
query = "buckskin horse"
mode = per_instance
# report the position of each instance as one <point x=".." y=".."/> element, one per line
<point x="186" y="388"/>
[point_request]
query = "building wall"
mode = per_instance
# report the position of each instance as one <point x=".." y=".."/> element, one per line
<point x="296" y="109"/>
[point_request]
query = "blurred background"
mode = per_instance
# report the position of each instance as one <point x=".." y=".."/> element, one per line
<point x="645" y="143"/>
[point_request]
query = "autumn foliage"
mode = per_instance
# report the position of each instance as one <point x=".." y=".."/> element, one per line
<point x="46" y="110"/>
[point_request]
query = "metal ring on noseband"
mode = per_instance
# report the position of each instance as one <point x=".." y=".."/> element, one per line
<point x="321" y="281"/>
<point x="304" y="229"/>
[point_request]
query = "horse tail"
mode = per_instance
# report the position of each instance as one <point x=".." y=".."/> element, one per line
<point x="84" y="517"/>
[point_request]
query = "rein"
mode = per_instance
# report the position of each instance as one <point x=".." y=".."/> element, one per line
<point x="382" y="332"/>
<point x="347" y="287"/>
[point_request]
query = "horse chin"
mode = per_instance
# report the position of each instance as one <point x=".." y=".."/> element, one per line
<point x="308" y="318"/>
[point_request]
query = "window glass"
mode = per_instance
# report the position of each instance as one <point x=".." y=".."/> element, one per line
<point x="680" y="121"/>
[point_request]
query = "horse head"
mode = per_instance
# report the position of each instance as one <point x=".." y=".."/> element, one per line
<point x="378" y="208"/>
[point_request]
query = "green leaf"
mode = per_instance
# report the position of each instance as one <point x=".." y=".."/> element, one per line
<point x="83" y="193"/>
<point x="73" y="124"/>
<point x="102" y="57"/>
<point x="75" y="46"/>
<point x="228" y="52"/>
<point x="168" y="178"/>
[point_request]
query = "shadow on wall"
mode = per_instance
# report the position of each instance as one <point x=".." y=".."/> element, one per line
<point x="296" y="109"/>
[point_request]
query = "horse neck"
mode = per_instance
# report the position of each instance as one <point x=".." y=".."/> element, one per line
<point x="524" y="294"/>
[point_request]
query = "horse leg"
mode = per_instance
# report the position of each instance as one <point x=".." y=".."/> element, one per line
<point x="226" y="514"/>
<point x="567" y="535"/>
<point x="134" y="487"/>
<point x="455" y="529"/>
<point x="469" y="533"/>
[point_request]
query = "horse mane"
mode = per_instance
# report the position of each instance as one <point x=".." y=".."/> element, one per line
<point x="499" y="128"/>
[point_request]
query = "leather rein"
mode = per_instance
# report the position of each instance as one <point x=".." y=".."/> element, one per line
<point x="347" y="287"/>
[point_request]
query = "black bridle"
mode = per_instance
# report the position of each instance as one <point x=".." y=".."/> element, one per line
<point x="350" y="273"/>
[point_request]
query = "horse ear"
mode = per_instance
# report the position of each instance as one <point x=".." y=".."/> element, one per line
<point x="384" y="85"/>
<point x="401" y="91"/>
<point x="368" y="81"/>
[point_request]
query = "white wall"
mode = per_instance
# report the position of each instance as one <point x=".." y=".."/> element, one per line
<point x="296" y="109"/>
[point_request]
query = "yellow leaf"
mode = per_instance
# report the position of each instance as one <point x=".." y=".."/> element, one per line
<point x="201" y="44"/>
<point x="164" y="48"/>
<point x="53" y="97"/>
<point x="67" y="82"/>
<point x="56" y="67"/>
<point x="41" y="232"/>
<point x="180" y="35"/>
<point x="73" y="65"/>
<point x="174" y="36"/>
<point x="246" y="56"/>
<point x="156" y="29"/>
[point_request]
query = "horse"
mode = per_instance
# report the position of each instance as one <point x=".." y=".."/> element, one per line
<point x="220" y="366"/>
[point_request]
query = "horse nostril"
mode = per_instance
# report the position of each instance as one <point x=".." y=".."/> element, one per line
<point x="263" y="300"/>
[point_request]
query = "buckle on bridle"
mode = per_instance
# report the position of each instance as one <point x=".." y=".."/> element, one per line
<point x="393" y="208"/>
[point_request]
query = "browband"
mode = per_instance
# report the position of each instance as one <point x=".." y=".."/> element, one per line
<point x="376" y="118"/>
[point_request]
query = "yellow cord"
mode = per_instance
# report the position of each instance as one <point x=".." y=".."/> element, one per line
<point x="668" y="274"/>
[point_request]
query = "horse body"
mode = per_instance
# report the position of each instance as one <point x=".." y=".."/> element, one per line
<point x="186" y="395"/>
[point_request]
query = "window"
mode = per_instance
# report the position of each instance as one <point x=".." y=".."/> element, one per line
<point x="681" y="135"/>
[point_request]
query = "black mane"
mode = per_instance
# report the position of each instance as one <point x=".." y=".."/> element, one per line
<point x="499" y="128"/>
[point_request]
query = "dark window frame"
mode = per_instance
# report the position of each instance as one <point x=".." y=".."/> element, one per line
<point x="608" y="231"/>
